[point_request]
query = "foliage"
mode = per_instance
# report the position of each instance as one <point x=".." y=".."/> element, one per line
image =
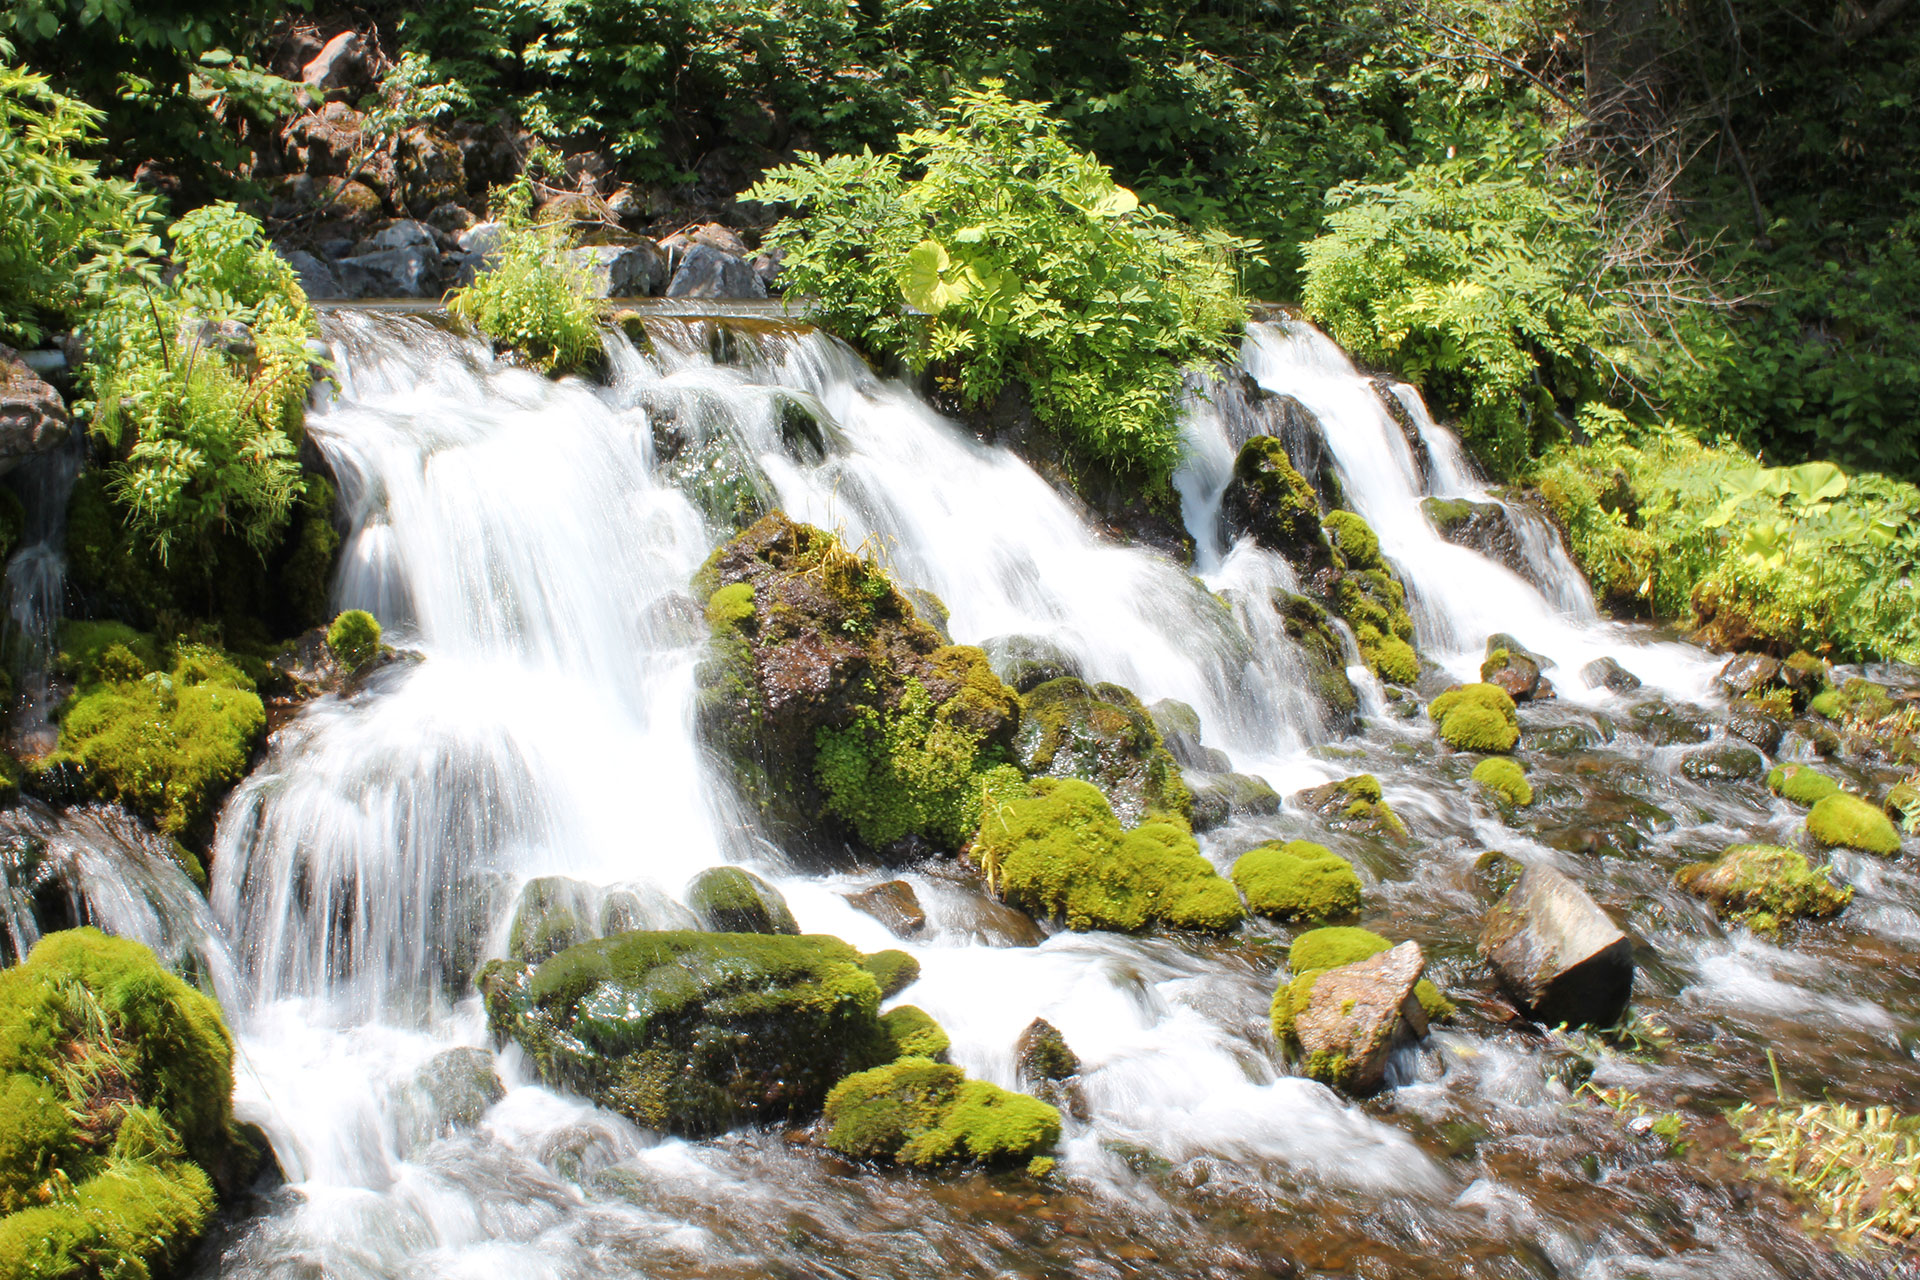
<point x="989" y="249"/>
<point x="354" y="639"/>
<point x="1855" y="1165"/>
<point x="530" y="299"/>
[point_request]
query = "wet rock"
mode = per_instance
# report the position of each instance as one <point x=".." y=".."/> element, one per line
<point x="1218" y="797"/>
<point x="452" y="1091"/>
<point x="1309" y="627"/>
<point x="1100" y="734"/>
<point x="626" y="908"/>
<point x="637" y="270"/>
<point x="451" y="218"/>
<point x="706" y="272"/>
<point x="1665" y="724"/>
<point x="1849" y="822"/>
<point x="317" y="279"/>
<point x="895" y="905"/>
<point x="694" y="1033"/>
<point x="412" y="272"/>
<point x="1722" y="764"/>
<point x="1179" y="726"/>
<point x="1749" y="673"/>
<point x="1557" y="952"/>
<point x="1605" y="673"/>
<point x="1271" y="502"/>
<point x="1048" y="1069"/>
<point x="930" y="609"/>
<point x="1764" y="885"/>
<point x="1514" y="671"/>
<point x="339" y="70"/>
<point x="733" y="900"/>
<point x="432" y="173"/>
<point x="33" y="417"/>
<point x="553" y="913"/>
<point x="1754" y="724"/>
<point x="1027" y="662"/>
<point x="1354" y="804"/>
<point x="1348" y="1021"/>
<point x="1486" y="527"/>
<point x="1497" y="872"/>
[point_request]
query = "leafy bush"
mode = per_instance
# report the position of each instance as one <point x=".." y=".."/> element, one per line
<point x="200" y="383"/>
<point x="1008" y="254"/>
<point x="1476" y="287"/>
<point x="530" y="299"/>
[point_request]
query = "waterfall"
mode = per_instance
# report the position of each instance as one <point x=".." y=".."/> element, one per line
<point x="36" y="585"/>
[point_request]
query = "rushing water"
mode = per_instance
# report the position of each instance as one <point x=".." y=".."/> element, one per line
<point x="521" y="541"/>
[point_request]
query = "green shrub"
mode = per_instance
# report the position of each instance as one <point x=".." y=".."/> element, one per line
<point x="1506" y="779"/>
<point x="1299" y="880"/>
<point x="1009" y="255"/>
<point x="1851" y="823"/>
<point x="1801" y="784"/>
<point x="529" y="299"/>
<point x="1476" y="717"/>
<point x="354" y="639"/>
<point x="921" y="1112"/>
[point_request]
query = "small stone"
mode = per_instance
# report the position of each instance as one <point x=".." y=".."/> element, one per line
<point x="1749" y="673"/>
<point x="894" y="904"/>
<point x="1048" y="1069"/>
<point x="1605" y="673"/>
<point x="1722" y="764"/>
<point x="1752" y="724"/>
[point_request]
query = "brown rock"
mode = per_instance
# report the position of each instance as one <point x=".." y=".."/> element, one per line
<point x="33" y="417"/>
<point x="894" y="904"/>
<point x="1357" y="1015"/>
<point x="1558" y="952"/>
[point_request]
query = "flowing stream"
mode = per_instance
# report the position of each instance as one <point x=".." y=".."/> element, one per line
<point x="522" y="543"/>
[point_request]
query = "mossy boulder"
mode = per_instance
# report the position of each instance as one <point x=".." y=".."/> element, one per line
<point x="1335" y="945"/>
<point x="1375" y="605"/>
<point x="1101" y="734"/>
<point x="1309" y="627"/>
<point x="1347" y="1020"/>
<point x="116" y="1083"/>
<point x="1764" y="885"/>
<point x="1802" y="784"/>
<point x="694" y="1033"/>
<point x="835" y="702"/>
<point x="1504" y="778"/>
<point x="913" y="1033"/>
<point x="1854" y="700"/>
<point x="1354" y="540"/>
<point x="354" y="640"/>
<point x="1354" y="804"/>
<point x="920" y="1112"/>
<point x="893" y="971"/>
<point x="1848" y="822"/>
<point x="164" y="736"/>
<point x="1055" y="848"/>
<point x="1722" y="762"/>
<point x="1220" y="796"/>
<point x="1025" y="663"/>
<point x="1271" y="502"/>
<point x="733" y="900"/>
<point x="551" y="914"/>
<point x="1516" y="672"/>
<point x="1298" y="880"/>
<point x="1476" y="717"/>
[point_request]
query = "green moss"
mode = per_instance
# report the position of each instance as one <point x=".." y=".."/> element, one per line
<point x="1849" y="822"/>
<point x="1354" y="539"/>
<point x="1764" y="884"/>
<point x="129" y="1220"/>
<point x="1054" y="848"/>
<point x="1101" y="734"/>
<point x="1271" y="500"/>
<point x="85" y="646"/>
<point x="1296" y="881"/>
<point x="36" y="1137"/>
<point x="1506" y="779"/>
<point x="1476" y="717"/>
<point x="1318" y="950"/>
<point x="1857" y="699"/>
<point x="1308" y="627"/>
<point x="921" y="1112"/>
<point x="894" y="971"/>
<point x="1355" y="804"/>
<point x="1375" y="606"/>
<point x="354" y="640"/>
<point x="1388" y="656"/>
<point x="1801" y="784"/>
<point x="734" y="900"/>
<point x="914" y="1034"/>
<point x="730" y="606"/>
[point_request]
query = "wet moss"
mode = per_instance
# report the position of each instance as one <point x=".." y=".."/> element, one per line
<point x="1375" y="606"/>
<point x="894" y="971"/>
<point x="1857" y="699"/>
<point x="1308" y="626"/>
<point x="354" y="640"/>
<point x="1764" y="885"/>
<point x="734" y="900"/>
<point x="1476" y="717"/>
<point x="1055" y="848"/>
<point x="1299" y="880"/>
<point x="1803" y="785"/>
<point x="1318" y="950"/>
<point x="1506" y="779"/>
<point x="914" y="1034"/>
<point x="1101" y="734"/>
<point x="1271" y="501"/>
<point x="1354" y="539"/>
<point x="1355" y="804"/>
<point x="1848" y="822"/>
<point x="920" y="1112"/>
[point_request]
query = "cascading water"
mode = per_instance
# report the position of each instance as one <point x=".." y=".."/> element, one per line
<point x="519" y="539"/>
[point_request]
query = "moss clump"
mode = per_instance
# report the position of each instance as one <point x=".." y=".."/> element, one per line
<point x="1054" y="848"/>
<point x="694" y="1033"/>
<point x="1354" y="539"/>
<point x="165" y="743"/>
<point x="1506" y="779"/>
<point x="894" y="971"/>
<point x="1375" y="606"/>
<point x="1354" y="804"/>
<point x="354" y="640"/>
<point x="1317" y="950"/>
<point x="1801" y="784"/>
<point x="116" y="1080"/>
<point x="733" y="900"/>
<point x="1857" y="699"/>
<point x="1299" y="880"/>
<point x="914" y="1034"/>
<point x="1308" y="627"/>
<point x="1763" y="885"/>
<point x="1101" y="734"/>
<point x="1476" y="717"/>
<point x="1851" y="823"/>
<point x="85" y="646"/>
<point x="921" y="1112"/>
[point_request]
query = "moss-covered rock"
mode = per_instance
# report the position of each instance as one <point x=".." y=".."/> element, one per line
<point x="694" y="1033"/>
<point x="1298" y="880"/>
<point x="116" y="1083"/>
<point x="1375" y="606"/>
<point x="1101" y="734"/>
<point x="1476" y="717"/>
<point x="734" y="900"/>
<point x="893" y="971"/>
<point x="1354" y="804"/>
<point x="920" y="1112"/>
<point x="354" y="640"/>
<point x="1354" y="539"/>
<point x="1270" y="501"/>
<point x="1054" y="848"/>
<point x="1308" y="626"/>
<point x="1346" y="1021"/>
<point x="1856" y="699"/>
<point x="835" y="701"/>
<point x="165" y="742"/>
<point x="1764" y="885"/>
<point x="1318" y="950"/>
<point x="1848" y="822"/>
<point x="1506" y="779"/>
<point x="1722" y="762"/>
<point x="914" y="1034"/>
<point x="1802" y="784"/>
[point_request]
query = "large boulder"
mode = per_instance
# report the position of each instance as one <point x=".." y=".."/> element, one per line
<point x="694" y="1033"/>
<point x="1764" y="885"/>
<point x="637" y="270"/>
<point x="1346" y="1022"/>
<point x="706" y="272"/>
<point x="340" y="70"/>
<point x="920" y="1112"/>
<point x="33" y="417"/>
<point x="432" y="172"/>
<point x="1271" y="502"/>
<point x="1103" y="735"/>
<point x="416" y="271"/>
<point x="732" y="900"/>
<point x="1027" y="662"/>
<point x="1481" y="526"/>
<point x="1557" y="952"/>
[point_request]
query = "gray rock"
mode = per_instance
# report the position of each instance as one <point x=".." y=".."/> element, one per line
<point x="1027" y="662"/>
<point x="1751" y="724"/>
<point x="1557" y="952"/>
<point x="711" y="234"/>
<point x="453" y="1090"/>
<point x="635" y="270"/>
<point x="894" y="904"/>
<point x="1605" y="673"/>
<point x="339" y="67"/>
<point x="706" y="272"/>
<point x="482" y="238"/>
<point x="413" y="272"/>
<point x="402" y="234"/>
<point x="451" y="218"/>
<point x="552" y="914"/>
<point x="33" y="417"/>
<point x="1048" y="1069"/>
<point x="1749" y="673"/>
<point x="767" y="267"/>
<point x="1356" y="1016"/>
<point x="732" y="900"/>
<point x="317" y="279"/>
<point x="1664" y="724"/>
<point x="1219" y="796"/>
<point x="1179" y="726"/>
<point x="1726" y="763"/>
